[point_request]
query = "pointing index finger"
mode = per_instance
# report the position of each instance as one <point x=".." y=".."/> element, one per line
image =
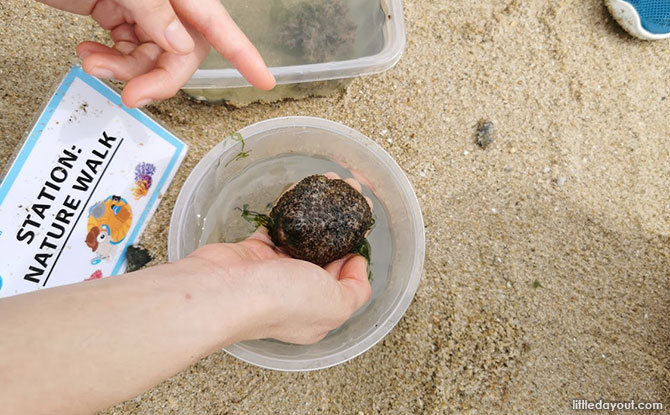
<point x="211" y="19"/>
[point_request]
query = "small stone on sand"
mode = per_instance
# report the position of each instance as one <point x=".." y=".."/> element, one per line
<point x="560" y="181"/>
<point x="485" y="132"/>
<point x="137" y="257"/>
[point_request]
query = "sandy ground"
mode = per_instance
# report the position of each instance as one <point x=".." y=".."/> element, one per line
<point x="573" y="194"/>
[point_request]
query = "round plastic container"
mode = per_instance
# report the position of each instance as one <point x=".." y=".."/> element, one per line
<point x="318" y="137"/>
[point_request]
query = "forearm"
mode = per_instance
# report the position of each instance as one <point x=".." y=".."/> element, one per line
<point x="81" y="348"/>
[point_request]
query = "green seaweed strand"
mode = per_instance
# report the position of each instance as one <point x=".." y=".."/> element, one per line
<point x="256" y="218"/>
<point x="242" y="154"/>
<point x="364" y="249"/>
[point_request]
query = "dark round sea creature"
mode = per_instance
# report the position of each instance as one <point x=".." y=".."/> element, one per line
<point x="319" y="220"/>
<point x="318" y="30"/>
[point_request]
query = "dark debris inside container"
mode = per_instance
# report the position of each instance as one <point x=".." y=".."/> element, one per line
<point x="320" y="31"/>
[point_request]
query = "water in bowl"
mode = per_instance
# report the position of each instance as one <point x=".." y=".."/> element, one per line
<point x="259" y="20"/>
<point x="262" y="182"/>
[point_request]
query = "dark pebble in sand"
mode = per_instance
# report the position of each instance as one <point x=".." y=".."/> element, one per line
<point x="485" y="132"/>
<point x="137" y="258"/>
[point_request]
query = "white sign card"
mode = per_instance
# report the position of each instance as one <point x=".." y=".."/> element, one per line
<point x="83" y="186"/>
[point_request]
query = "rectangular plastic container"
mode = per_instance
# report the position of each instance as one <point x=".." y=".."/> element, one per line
<point x="294" y="37"/>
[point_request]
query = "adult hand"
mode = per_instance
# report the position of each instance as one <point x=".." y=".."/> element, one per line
<point x="158" y="44"/>
<point x="130" y="332"/>
<point x="292" y="300"/>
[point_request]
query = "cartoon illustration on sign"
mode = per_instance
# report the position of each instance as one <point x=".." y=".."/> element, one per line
<point x="108" y="225"/>
<point x="97" y="274"/>
<point x="143" y="179"/>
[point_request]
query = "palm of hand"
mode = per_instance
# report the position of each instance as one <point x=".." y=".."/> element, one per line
<point x="158" y="44"/>
<point x="298" y="302"/>
<point x="152" y="71"/>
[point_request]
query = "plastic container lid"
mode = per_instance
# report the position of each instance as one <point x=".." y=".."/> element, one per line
<point x="381" y="58"/>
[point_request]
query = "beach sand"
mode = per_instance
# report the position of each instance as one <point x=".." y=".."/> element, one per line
<point x="547" y="273"/>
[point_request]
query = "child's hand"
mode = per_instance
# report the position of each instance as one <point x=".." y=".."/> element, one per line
<point x="159" y="44"/>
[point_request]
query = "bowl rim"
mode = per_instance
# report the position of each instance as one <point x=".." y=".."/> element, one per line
<point x="404" y="299"/>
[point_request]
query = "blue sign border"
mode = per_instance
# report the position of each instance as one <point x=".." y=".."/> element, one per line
<point x="78" y="73"/>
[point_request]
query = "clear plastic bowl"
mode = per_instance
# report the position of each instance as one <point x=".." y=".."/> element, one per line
<point x="319" y="137"/>
<point x="216" y="82"/>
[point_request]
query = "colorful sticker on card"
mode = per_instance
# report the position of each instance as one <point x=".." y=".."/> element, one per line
<point x="82" y="187"/>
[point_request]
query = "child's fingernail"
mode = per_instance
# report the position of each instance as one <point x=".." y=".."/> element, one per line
<point x="102" y="73"/>
<point x="144" y="102"/>
<point x="178" y="37"/>
<point x="84" y="54"/>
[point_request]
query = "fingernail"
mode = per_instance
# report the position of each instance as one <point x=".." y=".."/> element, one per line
<point x="84" y="54"/>
<point x="102" y="73"/>
<point x="178" y="37"/>
<point x="144" y="102"/>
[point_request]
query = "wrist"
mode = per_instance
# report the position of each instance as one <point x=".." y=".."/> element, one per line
<point x="235" y="311"/>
